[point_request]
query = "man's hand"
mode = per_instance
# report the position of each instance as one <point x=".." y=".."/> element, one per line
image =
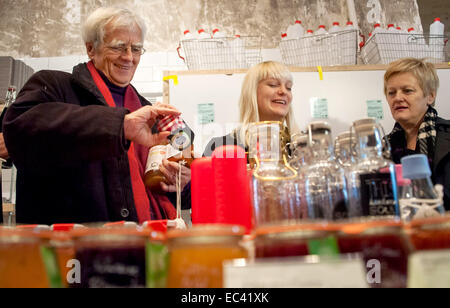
<point x="170" y="171"/>
<point x="3" y="151"/>
<point x="138" y="124"/>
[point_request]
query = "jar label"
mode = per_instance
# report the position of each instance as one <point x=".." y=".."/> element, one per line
<point x="378" y="197"/>
<point x="49" y="259"/>
<point x="155" y="157"/>
<point x="157" y="265"/>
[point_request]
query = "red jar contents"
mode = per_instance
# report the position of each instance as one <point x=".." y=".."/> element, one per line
<point x="431" y="233"/>
<point x="289" y="240"/>
<point x="379" y="242"/>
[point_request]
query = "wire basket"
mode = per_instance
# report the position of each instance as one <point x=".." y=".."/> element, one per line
<point x="384" y="48"/>
<point x="222" y="53"/>
<point x="339" y="48"/>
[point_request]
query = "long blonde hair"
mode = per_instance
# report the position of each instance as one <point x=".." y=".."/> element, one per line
<point x="248" y="102"/>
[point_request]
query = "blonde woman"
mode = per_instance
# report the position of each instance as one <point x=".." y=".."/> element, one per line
<point x="266" y="95"/>
<point x="410" y="86"/>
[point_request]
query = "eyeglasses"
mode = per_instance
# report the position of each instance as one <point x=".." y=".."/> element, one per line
<point x="122" y="49"/>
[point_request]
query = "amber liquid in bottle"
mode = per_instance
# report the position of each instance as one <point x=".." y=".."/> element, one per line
<point x="153" y="176"/>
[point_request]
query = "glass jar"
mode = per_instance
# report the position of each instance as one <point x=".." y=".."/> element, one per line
<point x="325" y="182"/>
<point x="372" y="180"/>
<point x="381" y="241"/>
<point x="344" y="148"/>
<point x="153" y="177"/>
<point x="431" y="233"/>
<point x="111" y="258"/>
<point x="288" y="240"/>
<point x="197" y="254"/>
<point x="275" y="192"/>
<point x="21" y="265"/>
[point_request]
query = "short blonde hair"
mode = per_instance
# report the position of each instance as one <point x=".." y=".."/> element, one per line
<point x="93" y="29"/>
<point x="248" y="102"/>
<point x="424" y="72"/>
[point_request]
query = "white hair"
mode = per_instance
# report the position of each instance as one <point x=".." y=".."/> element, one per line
<point x="93" y="30"/>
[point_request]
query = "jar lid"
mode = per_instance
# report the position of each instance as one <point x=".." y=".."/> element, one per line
<point x="298" y="230"/>
<point x="114" y="234"/>
<point x="431" y="223"/>
<point x="372" y="225"/>
<point x="17" y="236"/>
<point x="206" y="233"/>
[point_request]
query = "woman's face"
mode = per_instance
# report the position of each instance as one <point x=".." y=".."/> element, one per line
<point x="274" y="98"/>
<point x="406" y="99"/>
<point x="117" y="64"/>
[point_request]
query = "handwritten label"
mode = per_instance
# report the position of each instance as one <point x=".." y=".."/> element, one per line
<point x="375" y="109"/>
<point x="429" y="269"/>
<point x="205" y="113"/>
<point x="306" y="272"/>
<point x="319" y="108"/>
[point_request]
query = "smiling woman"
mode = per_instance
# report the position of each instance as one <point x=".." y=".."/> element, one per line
<point x="410" y="86"/>
<point x="266" y="95"/>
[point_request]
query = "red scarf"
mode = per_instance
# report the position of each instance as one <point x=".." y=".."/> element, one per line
<point x="145" y="201"/>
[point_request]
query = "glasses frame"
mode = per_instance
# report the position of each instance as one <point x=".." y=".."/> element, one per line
<point x="120" y="49"/>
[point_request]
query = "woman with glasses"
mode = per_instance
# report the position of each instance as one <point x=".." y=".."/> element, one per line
<point x="410" y="86"/>
<point x="80" y="140"/>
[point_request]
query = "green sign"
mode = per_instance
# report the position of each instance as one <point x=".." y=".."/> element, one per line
<point x="375" y="109"/>
<point x="319" y="108"/>
<point x="205" y="113"/>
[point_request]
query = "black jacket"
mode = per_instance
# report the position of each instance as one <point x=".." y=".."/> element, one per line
<point x="70" y="151"/>
<point x="440" y="165"/>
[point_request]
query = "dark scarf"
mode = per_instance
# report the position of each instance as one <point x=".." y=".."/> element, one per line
<point x="426" y="138"/>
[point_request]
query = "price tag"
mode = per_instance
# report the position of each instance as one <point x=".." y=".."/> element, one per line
<point x="346" y="271"/>
<point x="319" y="108"/>
<point x="429" y="269"/>
<point x="375" y="109"/>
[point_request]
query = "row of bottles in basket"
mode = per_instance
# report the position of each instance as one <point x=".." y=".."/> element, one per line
<point x="436" y="29"/>
<point x="297" y="31"/>
<point x="392" y="43"/>
<point x="202" y="34"/>
<point x="309" y="179"/>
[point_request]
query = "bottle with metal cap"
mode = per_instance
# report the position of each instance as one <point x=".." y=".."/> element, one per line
<point x="344" y="150"/>
<point x="300" y="153"/>
<point x="372" y="180"/>
<point x="325" y="183"/>
<point x="299" y="159"/>
<point x="274" y="191"/>
<point x="423" y="200"/>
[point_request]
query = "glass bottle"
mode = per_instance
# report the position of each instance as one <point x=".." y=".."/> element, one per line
<point x="344" y="150"/>
<point x="300" y="152"/>
<point x="152" y="175"/>
<point x="299" y="159"/>
<point x="325" y="183"/>
<point x="275" y="194"/>
<point x="421" y="200"/>
<point x="180" y="148"/>
<point x="372" y="180"/>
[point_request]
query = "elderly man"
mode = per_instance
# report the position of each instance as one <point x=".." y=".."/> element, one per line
<point x="80" y="140"/>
